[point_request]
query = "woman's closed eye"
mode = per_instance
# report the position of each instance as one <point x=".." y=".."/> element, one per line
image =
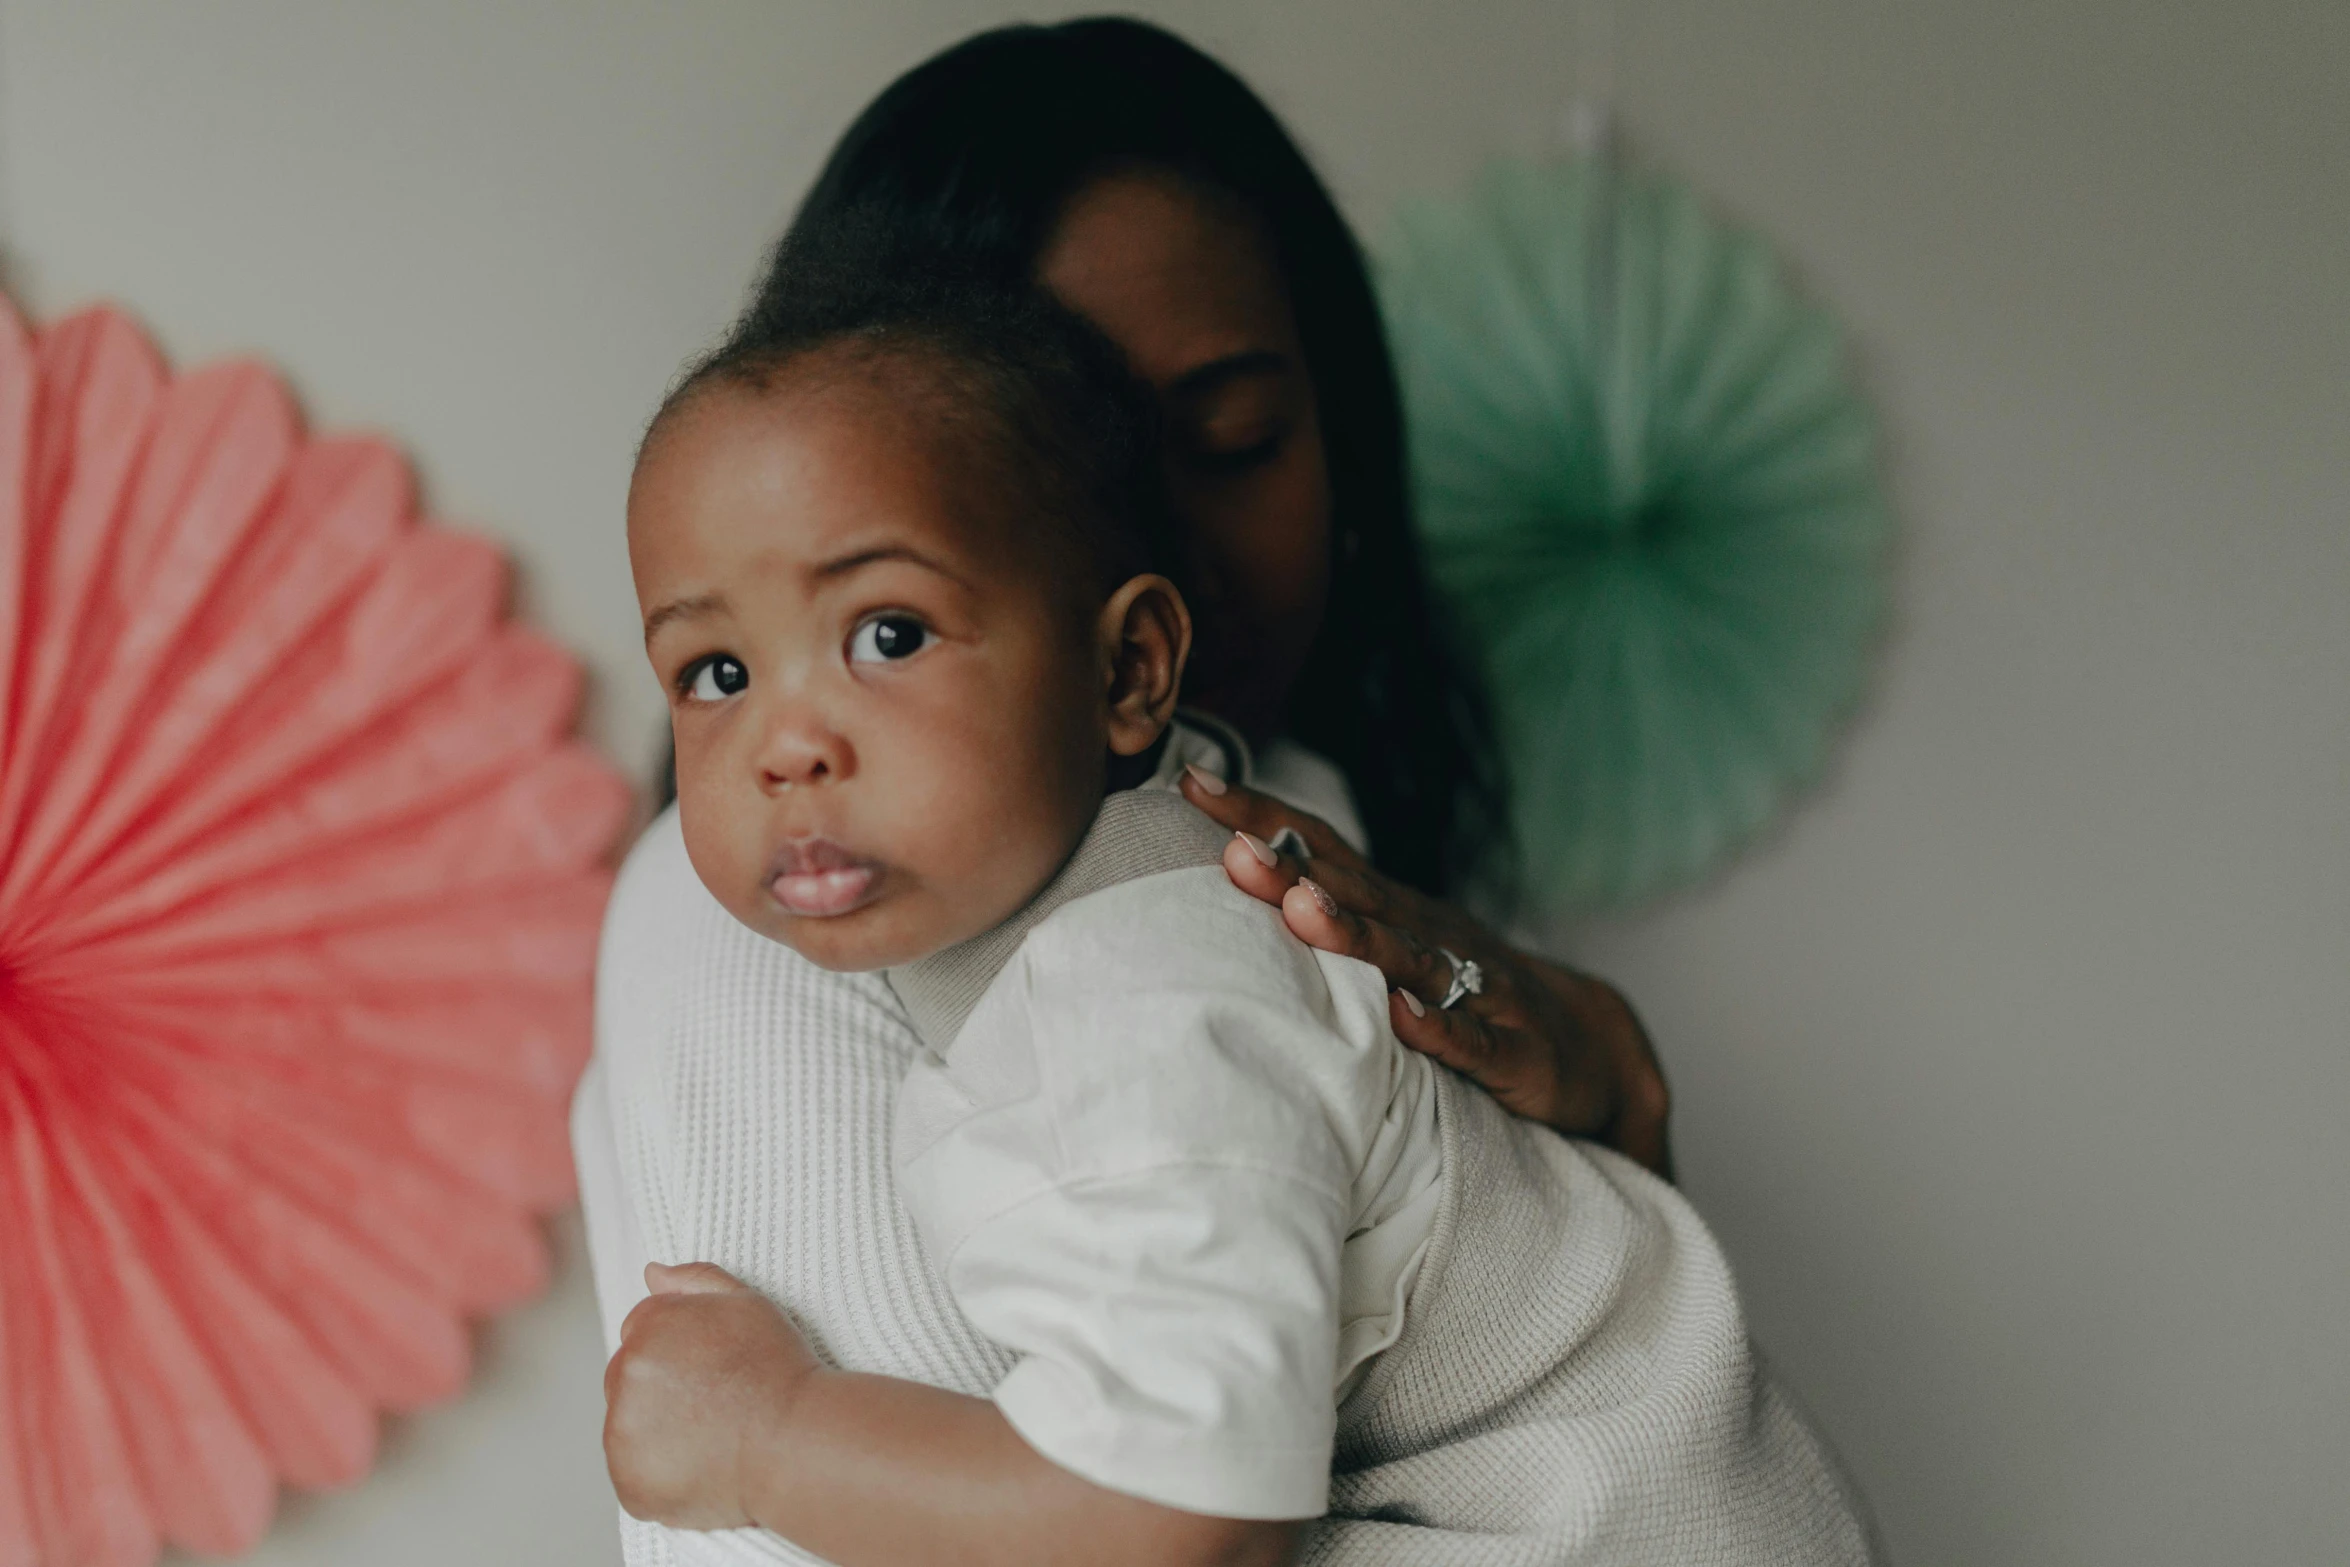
<point x="1234" y="415"/>
<point x="888" y="639"/>
<point x="1237" y="453"/>
<point x="1231" y="434"/>
<point x="713" y="679"/>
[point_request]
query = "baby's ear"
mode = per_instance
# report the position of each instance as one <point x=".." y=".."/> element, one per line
<point x="1145" y="637"/>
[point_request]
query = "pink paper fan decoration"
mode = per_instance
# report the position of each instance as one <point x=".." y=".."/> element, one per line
<point x="299" y="884"/>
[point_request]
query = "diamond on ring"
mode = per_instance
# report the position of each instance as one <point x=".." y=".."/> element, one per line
<point x="1467" y="979"/>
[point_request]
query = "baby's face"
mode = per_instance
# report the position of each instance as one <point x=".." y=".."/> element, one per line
<point x="888" y="700"/>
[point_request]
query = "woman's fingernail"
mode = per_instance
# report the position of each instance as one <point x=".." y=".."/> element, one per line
<point x="1205" y="779"/>
<point x="1411" y="1003"/>
<point x="1258" y="847"/>
<point x="1322" y="899"/>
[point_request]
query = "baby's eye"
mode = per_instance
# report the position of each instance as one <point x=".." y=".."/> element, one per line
<point x="714" y="679"/>
<point x="886" y="638"/>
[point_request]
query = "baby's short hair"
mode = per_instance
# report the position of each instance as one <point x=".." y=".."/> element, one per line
<point x="1054" y="396"/>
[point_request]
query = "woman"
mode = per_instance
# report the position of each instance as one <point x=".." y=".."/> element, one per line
<point x="1187" y="224"/>
<point x="1152" y="192"/>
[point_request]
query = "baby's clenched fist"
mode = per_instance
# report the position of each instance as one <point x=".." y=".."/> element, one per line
<point x="707" y="1371"/>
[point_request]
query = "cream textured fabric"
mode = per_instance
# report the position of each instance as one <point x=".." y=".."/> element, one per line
<point x="738" y="1112"/>
<point x="1573" y="1383"/>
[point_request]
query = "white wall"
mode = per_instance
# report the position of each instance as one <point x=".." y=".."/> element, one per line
<point x="2011" y="1071"/>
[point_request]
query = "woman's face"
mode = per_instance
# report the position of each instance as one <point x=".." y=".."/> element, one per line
<point x="1185" y="283"/>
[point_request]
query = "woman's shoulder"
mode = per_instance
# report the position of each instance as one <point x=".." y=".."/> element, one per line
<point x="649" y="924"/>
<point x="657" y="919"/>
<point x="1311" y="782"/>
<point x="672" y="957"/>
<point x="1288" y="771"/>
<point x="656" y="884"/>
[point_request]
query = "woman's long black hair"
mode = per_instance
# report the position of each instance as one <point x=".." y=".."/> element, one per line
<point x="971" y="157"/>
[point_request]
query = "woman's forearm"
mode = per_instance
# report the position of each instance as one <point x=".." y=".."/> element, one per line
<point x="872" y="1471"/>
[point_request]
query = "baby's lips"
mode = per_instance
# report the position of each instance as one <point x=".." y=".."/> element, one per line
<point x="823" y="894"/>
<point x="818" y="879"/>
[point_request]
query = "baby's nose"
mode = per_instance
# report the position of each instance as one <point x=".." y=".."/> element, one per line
<point x="803" y="751"/>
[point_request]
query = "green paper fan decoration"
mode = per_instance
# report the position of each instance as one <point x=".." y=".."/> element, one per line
<point x="1649" y="495"/>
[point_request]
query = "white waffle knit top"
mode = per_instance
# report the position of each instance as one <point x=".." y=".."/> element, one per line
<point x="1573" y="1383"/>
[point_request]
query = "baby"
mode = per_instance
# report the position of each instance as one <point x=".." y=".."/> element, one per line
<point x="905" y="571"/>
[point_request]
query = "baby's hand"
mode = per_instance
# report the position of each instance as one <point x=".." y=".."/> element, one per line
<point x="706" y="1370"/>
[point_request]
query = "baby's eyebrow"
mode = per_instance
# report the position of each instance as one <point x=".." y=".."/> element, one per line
<point x="841" y="566"/>
<point x="683" y="609"/>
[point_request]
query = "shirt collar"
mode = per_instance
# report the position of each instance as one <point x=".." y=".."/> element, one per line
<point x="1137" y="832"/>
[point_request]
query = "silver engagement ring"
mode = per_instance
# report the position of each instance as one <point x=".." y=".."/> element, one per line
<point x="1467" y="979"/>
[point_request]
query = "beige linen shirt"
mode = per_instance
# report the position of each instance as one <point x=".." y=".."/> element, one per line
<point x="1176" y="1160"/>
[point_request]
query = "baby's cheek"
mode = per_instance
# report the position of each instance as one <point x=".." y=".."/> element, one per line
<point x="989" y="845"/>
<point x="727" y="856"/>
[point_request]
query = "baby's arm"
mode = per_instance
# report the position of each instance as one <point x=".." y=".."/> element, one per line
<point x="720" y="1418"/>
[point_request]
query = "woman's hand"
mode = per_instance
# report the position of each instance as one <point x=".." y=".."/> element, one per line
<point x="706" y="1367"/>
<point x="1549" y="1044"/>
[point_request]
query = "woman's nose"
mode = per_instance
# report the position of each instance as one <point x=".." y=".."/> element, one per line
<point x="802" y="749"/>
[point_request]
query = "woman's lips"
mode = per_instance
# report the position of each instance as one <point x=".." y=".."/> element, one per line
<point x="819" y="880"/>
